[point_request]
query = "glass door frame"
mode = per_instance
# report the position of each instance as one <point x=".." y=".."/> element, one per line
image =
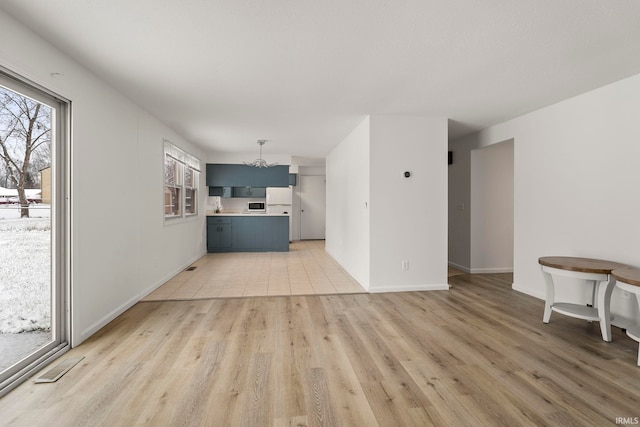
<point x="60" y="230"/>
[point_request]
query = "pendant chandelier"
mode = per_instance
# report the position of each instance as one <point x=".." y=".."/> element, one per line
<point x="260" y="162"/>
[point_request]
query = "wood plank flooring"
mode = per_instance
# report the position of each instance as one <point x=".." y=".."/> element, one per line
<point x="476" y="355"/>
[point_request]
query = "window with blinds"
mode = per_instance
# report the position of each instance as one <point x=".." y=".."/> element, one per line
<point x="181" y="179"/>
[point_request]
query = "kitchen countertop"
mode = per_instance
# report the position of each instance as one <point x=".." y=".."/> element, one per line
<point x="212" y="213"/>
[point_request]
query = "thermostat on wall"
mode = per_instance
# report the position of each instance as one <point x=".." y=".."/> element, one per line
<point x="407" y="174"/>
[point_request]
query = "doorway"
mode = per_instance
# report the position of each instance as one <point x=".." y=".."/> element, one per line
<point x="481" y="208"/>
<point x="312" y="207"/>
<point x="33" y="228"/>
<point x="492" y="208"/>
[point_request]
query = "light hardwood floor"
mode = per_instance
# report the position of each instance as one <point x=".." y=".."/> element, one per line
<point x="476" y="355"/>
<point x="305" y="270"/>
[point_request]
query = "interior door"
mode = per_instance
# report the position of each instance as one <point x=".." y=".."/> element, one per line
<point x="312" y="207"/>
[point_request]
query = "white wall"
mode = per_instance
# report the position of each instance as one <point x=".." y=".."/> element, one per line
<point x="492" y="208"/>
<point x="377" y="218"/>
<point x="408" y="216"/>
<point x="575" y="184"/>
<point x="121" y="248"/>
<point x="347" y="232"/>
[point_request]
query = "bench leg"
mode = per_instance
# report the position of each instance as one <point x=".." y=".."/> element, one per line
<point x="594" y="293"/>
<point x="550" y="296"/>
<point x="604" y="307"/>
<point x="638" y="301"/>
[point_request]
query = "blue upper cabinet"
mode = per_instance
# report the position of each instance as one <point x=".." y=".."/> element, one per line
<point x="221" y="175"/>
<point x="276" y="176"/>
<point x="226" y="175"/>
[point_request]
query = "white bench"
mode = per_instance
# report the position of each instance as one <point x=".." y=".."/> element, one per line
<point x="594" y="272"/>
<point x="628" y="279"/>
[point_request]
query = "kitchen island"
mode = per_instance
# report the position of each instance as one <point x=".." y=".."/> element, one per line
<point x="247" y="232"/>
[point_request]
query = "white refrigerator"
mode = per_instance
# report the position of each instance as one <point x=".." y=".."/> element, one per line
<point x="279" y="201"/>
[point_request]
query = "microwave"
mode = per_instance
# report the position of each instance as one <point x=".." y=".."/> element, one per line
<point x="256" y="207"/>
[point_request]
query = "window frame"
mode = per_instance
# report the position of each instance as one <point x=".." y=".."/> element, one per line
<point x="61" y="226"/>
<point x="177" y="183"/>
<point x="191" y="191"/>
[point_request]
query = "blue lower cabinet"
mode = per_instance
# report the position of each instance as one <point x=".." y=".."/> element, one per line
<point x="226" y="233"/>
<point x="277" y="234"/>
<point x="219" y="234"/>
<point x="248" y="234"/>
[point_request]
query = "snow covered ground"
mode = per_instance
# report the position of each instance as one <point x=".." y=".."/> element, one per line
<point x="25" y="270"/>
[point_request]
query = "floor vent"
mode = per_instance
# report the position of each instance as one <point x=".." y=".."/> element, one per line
<point x="191" y="268"/>
<point x="53" y="375"/>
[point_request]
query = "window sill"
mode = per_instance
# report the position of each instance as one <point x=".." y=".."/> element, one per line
<point x="171" y="220"/>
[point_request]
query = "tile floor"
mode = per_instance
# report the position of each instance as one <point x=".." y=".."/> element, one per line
<point x="305" y="270"/>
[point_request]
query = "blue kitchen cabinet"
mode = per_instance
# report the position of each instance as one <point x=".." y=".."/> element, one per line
<point x="248" y="192"/>
<point x="221" y="175"/>
<point x="257" y="233"/>
<point x="234" y="175"/>
<point x="250" y="233"/>
<point x="220" y="191"/>
<point x="219" y="234"/>
<point x="276" y="176"/>
<point x="276" y="234"/>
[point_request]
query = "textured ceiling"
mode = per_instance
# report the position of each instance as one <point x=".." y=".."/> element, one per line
<point x="303" y="73"/>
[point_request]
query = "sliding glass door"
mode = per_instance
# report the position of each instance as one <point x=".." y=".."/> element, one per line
<point x="33" y="228"/>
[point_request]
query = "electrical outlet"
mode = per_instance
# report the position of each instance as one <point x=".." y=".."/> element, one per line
<point x="405" y="265"/>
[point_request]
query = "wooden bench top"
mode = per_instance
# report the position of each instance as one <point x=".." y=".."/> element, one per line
<point x="582" y="265"/>
<point x="627" y="275"/>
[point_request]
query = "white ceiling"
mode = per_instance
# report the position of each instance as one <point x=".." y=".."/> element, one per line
<point x="302" y="73"/>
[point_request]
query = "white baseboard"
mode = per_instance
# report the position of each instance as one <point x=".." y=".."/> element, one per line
<point x="102" y="322"/>
<point x="410" y="288"/>
<point x="470" y="270"/>
<point x="459" y="267"/>
<point x="491" y="270"/>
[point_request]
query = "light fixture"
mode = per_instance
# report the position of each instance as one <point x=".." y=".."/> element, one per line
<point x="260" y="162"/>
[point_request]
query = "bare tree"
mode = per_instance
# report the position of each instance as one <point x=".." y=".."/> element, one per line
<point x="25" y="128"/>
<point x="3" y="175"/>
